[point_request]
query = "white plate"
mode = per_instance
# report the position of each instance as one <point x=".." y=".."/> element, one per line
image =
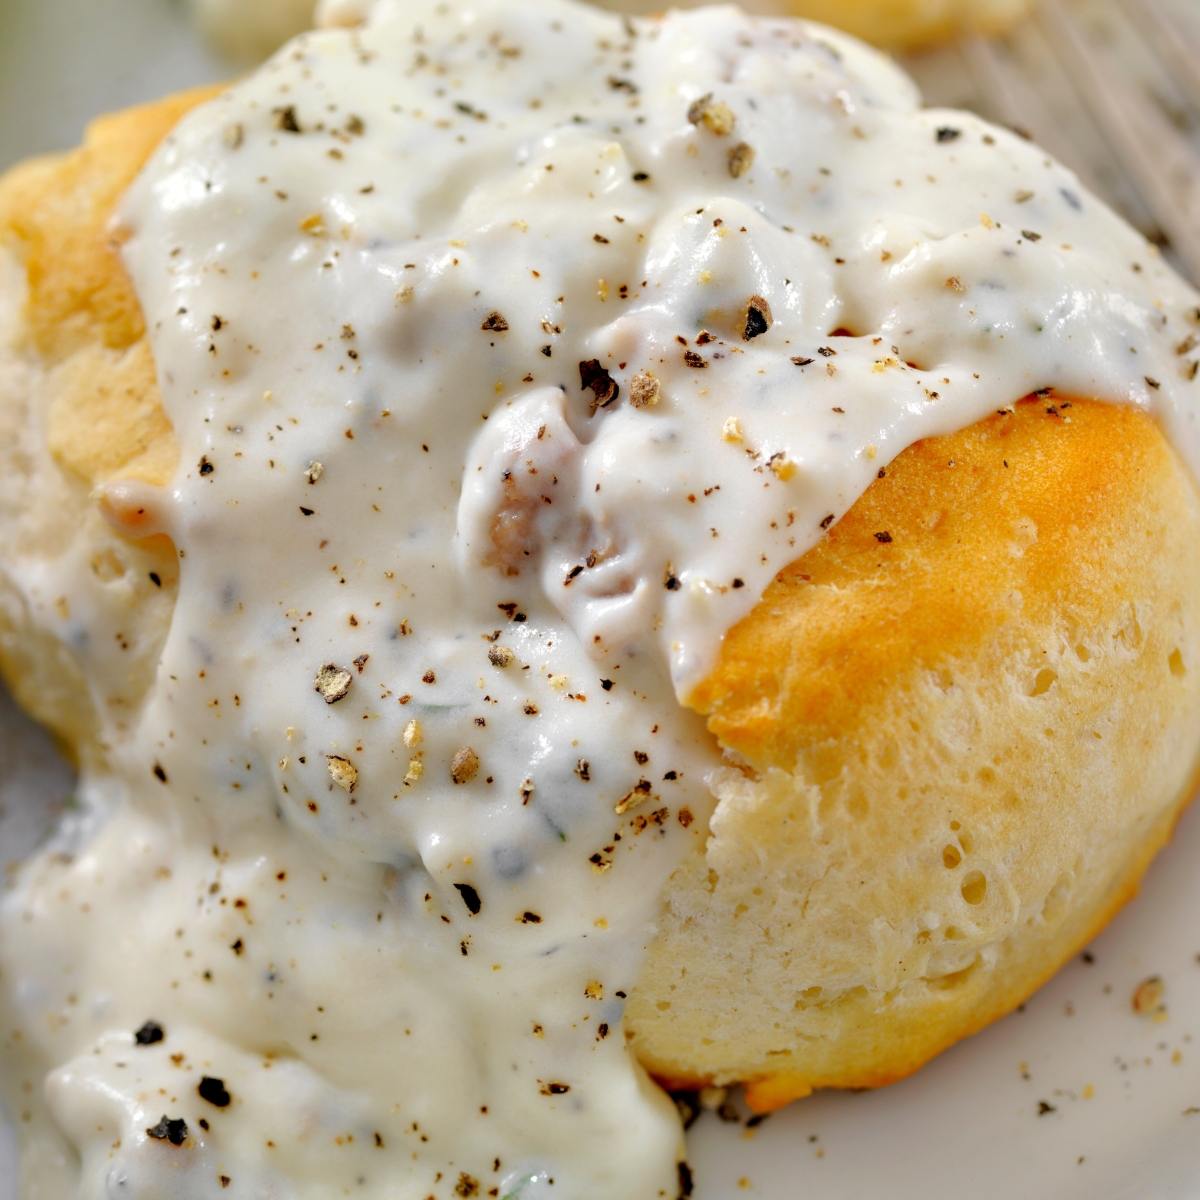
<point x="1119" y="1086"/>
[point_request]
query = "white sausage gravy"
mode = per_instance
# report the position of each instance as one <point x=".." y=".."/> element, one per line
<point x="511" y="347"/>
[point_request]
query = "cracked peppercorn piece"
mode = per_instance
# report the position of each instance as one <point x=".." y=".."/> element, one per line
<point x="741" y="159"/>
<point x="333" y="682"/>
<point x="1148" y="996"/>
<point x="644" y="390"/>
<point x="170" y="1130"/>
<point x="605" y="389"/>
<point x="714" y="115"/>
<point x="494" y="323"/>
<point x="464" y="765"/>
<point x="758" y="318"/>
<point x="633" y="797"/>
<point x="342" y="771"/>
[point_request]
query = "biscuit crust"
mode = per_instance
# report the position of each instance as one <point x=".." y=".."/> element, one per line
<point x="81" y="315"/>
<point x="966" y="721"/>
<point x="79" y="406"/>
<point x="913" y="24"/>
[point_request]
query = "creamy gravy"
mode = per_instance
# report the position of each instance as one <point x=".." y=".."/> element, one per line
<point x="512" y="347"/>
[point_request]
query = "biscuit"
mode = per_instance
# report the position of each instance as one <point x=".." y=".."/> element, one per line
<point x="965" y="721"/>
<point x="959" y="727"/>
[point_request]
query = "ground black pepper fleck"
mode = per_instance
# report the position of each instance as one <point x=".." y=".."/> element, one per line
<point x="285" y="119"/>
<point x="685" y="1181"/>
<point x="149" y="1034"/>
<point x="213" y="1090"/>
<point x="470" y="898"/>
